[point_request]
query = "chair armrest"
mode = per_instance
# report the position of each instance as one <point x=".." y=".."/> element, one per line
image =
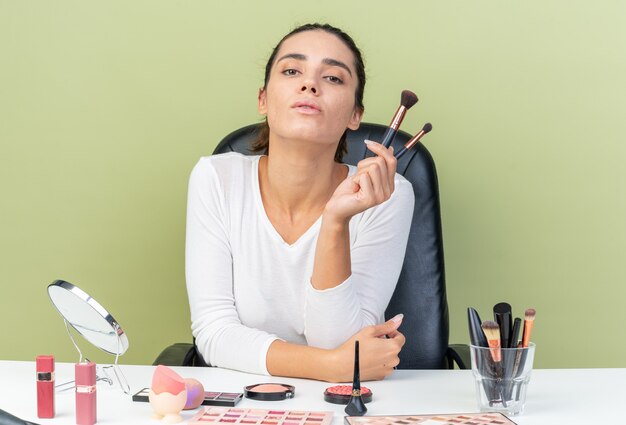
<point x="459" y="354"/>
<point x="179" y="354"/>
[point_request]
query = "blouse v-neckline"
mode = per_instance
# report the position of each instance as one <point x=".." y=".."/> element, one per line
<point x="313" y="229"/>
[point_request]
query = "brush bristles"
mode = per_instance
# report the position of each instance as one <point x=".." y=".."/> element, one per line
<point x="427" y="127"/>
<point x="492" y="330"/>
<point x="529" y="314"/>
<point x="408" y="99"/>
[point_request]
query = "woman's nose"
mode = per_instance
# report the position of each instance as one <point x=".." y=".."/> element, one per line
<point x="309" y="86"/>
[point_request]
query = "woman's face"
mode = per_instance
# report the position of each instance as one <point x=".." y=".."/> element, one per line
<point x="310" y="94"/>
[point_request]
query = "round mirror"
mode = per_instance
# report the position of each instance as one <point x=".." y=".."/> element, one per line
<point x="88" y="317"/>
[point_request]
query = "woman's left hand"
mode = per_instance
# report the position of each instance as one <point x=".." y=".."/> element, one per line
<point x="372" y="184"/>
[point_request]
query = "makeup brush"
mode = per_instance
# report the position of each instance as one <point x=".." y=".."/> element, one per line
<point x="529" y="320"/>
<point x="407" y="99"/>
<point x="517" y="324"/>
<point x="492" y="332"/>
<point x="413" y="141"/>
<point x="503" y="317"/>
<point x="356" y="406"/>
<point x="477" y="336"/>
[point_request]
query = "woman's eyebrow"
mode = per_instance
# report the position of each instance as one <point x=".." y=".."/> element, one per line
<point x="327" y="61"/>
<point x="335" y="62"/>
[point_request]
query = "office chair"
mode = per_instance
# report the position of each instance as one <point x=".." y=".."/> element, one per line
<point x="420" y="293"/>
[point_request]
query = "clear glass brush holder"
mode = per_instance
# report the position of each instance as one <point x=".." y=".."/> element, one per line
<point x="502" y="378"/>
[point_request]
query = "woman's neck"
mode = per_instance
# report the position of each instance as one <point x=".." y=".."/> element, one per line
<point x="297" y="184"/>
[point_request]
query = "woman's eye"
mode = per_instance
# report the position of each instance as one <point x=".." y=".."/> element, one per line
<point x="334" y="79"/>
<point x="290" y="72"/>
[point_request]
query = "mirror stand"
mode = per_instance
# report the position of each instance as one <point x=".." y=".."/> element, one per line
<point x="119" y="375"/>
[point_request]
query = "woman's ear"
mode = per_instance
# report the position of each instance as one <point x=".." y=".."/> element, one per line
<point x="262" y="106"/>
<point x="355" y="120"/>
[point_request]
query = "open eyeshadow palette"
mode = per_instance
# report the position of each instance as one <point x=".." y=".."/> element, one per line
<point x="210" y="398"/>
<point x="456" y="419"/>
<point x="226" y="416"/>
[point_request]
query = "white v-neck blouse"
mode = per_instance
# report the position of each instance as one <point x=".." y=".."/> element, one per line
<point x="247" y="287"/>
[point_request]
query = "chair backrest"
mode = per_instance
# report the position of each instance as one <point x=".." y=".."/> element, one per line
<point x="421" y="290"/>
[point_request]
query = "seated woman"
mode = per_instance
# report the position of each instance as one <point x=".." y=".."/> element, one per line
<point x="291" y="255"/>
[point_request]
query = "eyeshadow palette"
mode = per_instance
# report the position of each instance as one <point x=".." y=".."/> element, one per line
<point x="210" y="398"/>
<point x="456" y="419"/>
<point x="226" y="416"/>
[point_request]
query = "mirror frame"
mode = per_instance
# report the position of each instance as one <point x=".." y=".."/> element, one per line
<point x="97" y="307"/>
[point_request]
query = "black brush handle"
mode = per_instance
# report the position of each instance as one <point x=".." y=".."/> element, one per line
<point x="503" y="317"/>
<point x="514" y="340"/>
<point x="401" y="152"/>
<point x="388" y="137"/>
<point x="356" y="383"/>
<point x="477" y="336"/>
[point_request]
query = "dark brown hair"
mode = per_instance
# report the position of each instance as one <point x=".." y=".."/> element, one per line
<point x="261" y="143"/>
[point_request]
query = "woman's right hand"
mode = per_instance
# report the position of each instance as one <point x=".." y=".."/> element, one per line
<point x="372" y="185"/>
<point x="379" y="346"/>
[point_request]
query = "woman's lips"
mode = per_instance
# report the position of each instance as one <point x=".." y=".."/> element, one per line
<point x="307" y="107"/>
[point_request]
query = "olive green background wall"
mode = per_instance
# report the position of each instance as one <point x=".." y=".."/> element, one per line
<point x="106" y="106"/>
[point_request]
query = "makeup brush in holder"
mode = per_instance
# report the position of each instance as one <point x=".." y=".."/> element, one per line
<point x="356" y="406"/>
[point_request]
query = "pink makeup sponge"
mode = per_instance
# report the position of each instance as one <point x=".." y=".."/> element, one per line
<point x="166" y="380"/>
<point x="195" y="393"/>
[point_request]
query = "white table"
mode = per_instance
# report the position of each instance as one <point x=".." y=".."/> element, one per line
<point x="558" y="396"/>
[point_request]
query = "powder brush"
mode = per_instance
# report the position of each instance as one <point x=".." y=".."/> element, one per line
<point x="407" y="100"/>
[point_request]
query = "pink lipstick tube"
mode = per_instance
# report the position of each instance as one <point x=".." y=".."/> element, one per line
<point x="85" y="374"/>
<point x="45" y="386"/>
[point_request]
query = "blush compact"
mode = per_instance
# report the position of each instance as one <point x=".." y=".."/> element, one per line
<point x="269" y="391"/>
<point x="340" y="394"/>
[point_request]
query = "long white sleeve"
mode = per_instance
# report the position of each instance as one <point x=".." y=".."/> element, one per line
<point x="378" y="239"/>
<point x="247" y="287"/>
<point x="221" y="337"/>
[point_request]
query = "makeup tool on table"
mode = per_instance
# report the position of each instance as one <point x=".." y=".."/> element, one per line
<point x="407" y="100"/>
<point x="457" y="419"/>
<point x="502" y="316"/>
<point x="503" y="369"/>
<point x="477" y="336"/>
<point x="529" y="320"/>
<point x="45" y="386"/>
<point x="520" y="358"/>
<point x="167" y="395"/>
<point x="492" y="332"/>
<point x="340" y="394"/>
<point x="517" y="324"/>
<point x="413" y="141"/>
<point x="85" y="378"/>
<point x="478" y="339"/>
<point x="356" y="406"/>
<point x="211" y="398"/>
<point x="195" y="393"/>
<point x="237" y="416"/>
<point x="269" y="391"/>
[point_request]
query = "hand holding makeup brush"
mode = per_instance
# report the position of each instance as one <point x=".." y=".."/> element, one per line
<point x="373" y="184"/>
<point x="378" y="355"/>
